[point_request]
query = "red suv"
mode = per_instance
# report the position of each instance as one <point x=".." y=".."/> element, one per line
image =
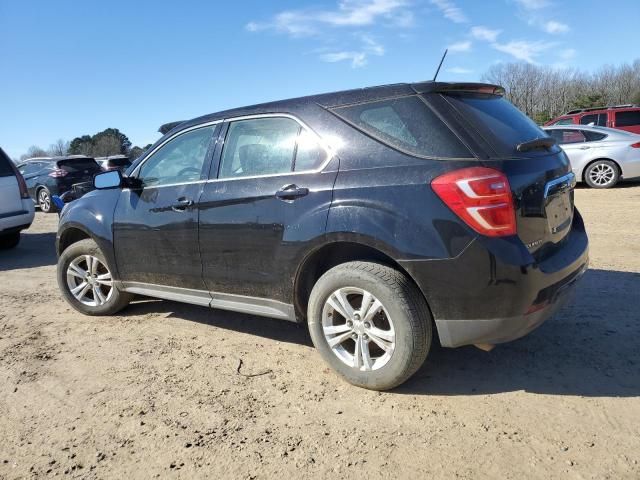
<point x="622" y="117"/>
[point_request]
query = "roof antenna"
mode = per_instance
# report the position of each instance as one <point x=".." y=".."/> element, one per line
<point x="441" y="60"/>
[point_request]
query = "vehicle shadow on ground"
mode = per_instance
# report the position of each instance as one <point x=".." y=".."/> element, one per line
<point x="279" y="330"/>
<point x="34" y="250"/>
<point x="590" y="348"/>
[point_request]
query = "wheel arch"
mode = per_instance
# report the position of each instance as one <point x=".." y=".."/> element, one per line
<point x="323" y="258"/>
<point x="70" y="235"/>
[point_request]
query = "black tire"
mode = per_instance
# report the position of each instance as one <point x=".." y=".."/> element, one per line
<point x="10" y="240"/>
<point x="602" y="174"/>
<point x="115" y="302"/>
<point x="400" y="299"/>
<point x="45" y="202"/>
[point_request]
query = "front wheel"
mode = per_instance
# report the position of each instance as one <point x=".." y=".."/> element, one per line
<point x="86" y="282"/>
<point x="370" y="324"/>
<point x="602" y="174"/>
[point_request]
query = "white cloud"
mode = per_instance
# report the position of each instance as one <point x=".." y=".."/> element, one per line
<point x="484" y="33"/>
<point x="553" y="26"/>
<point x="358" y="58"/>
<point x="523" y="50"/>
<point x="533" y="4"/>
<point x="349" y="13"/>
<point x="459" y="70"/>
<point x="460" y="46"/>
<point x="450" y="11"/>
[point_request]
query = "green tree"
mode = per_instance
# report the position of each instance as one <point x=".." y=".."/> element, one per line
<point x="588" y="100"/>
<point x="108" y="142"/>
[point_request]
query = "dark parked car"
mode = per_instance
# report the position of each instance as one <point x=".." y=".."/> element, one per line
<point x="373" y="215"/>
<point x="56" y="175"/>
<point x="114" y="162"/>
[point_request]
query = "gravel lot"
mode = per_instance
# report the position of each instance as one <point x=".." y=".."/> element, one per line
<point x="155" y="391"/>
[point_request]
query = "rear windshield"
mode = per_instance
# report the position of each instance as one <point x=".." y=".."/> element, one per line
<point x="406" y="124"/>
<point x="5" y="165"/>
<point x="497" y="120"/>
<point x="78" y="165"/>
<point x="119" y="162"/>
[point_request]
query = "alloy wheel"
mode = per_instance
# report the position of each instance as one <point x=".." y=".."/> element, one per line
<point x="89" y="281"/>
<point x="602" y="174"/>
<point x="44" y="199"/>
<point x="358" y="329"/>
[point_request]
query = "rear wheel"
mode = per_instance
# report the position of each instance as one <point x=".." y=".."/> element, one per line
<point x="602" y="174"/>
<point x="86" y="281"/>
<point x="370" y="324"/>
<point x="9" y="241"/>
<point x="44" y="200"/>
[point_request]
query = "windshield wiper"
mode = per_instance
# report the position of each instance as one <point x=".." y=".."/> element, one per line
<point x="536" y="143"/>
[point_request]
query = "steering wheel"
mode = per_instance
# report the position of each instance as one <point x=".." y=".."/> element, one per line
<point x="186" y="170"/>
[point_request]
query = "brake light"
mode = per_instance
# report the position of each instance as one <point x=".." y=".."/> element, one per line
<point x="635" y="145"/>
<point x="58" y="173"/>
<point x="22" y="185"/>
<point x="481" y="197"/>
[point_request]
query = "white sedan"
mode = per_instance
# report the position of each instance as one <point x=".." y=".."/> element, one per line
<point x="599" y="156"/>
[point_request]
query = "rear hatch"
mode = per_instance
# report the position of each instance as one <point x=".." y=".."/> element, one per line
<point x="10" y="201"/>
<point x="78" y="170"/>
<point x="502" y="137"/>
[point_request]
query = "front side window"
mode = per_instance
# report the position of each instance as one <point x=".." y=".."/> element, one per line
<point x="408" y="124"/>
<point x="568" y="136"/>
<point x="628" y="119"/>
<point x="564" y="121"/>
<point x="181" y="160"/>
<point x="259" y="146"/>
<point x="599" y="119"/>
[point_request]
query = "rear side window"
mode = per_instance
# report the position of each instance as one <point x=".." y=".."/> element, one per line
<point x="407" y="124"/>
<point x="628" y="119"/>
<point x="568" y="136"/>
<point x="79" y="165"/>
<point x="5" y="166"/>
<point x="599" y="119"/>
<point x="497" y="119"/>
<point x="594" y="136"/>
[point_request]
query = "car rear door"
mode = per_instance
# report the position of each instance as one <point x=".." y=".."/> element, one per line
<point x="268" y="198"/>
<point x="10" y="201"/>
<point x="155" y="226"/>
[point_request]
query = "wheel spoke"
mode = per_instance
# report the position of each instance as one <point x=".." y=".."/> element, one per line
<point x="336" y="329"/>
<point x="364" y="352"/>
<point x="338" y="339"/>
<point x="76" y="271"/>
<point x="98" y="296"/>
<point x="374" y="308"/>
<point x="341" y="304"/>
<point x="79" y="293"/>
<point x="383" y="338"/>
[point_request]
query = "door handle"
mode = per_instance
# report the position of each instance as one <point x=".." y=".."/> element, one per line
<point x="291" y="192"/>
<point x="182" y="204"/>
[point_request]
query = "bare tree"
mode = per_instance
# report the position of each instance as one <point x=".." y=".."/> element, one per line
<point x="34" y="151"/>
<point x="59" y="149"/>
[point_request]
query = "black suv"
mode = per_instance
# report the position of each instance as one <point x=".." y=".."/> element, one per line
<point x="374" y="215"/>
<point x="47" y="176"/>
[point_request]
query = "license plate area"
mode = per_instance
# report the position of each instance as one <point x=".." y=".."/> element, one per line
<point x="559" y="203"/>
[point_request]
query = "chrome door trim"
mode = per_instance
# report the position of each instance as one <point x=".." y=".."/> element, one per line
<point x="263" y="307"/>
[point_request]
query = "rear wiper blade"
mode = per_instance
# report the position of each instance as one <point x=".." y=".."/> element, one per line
<point x="536" y="143"/>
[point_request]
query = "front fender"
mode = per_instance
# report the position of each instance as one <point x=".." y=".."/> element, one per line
<point x="92" y="215"/>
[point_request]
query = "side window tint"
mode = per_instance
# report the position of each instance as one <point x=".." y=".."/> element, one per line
<point x="564" y="121"/>
<point x="181" y="160"/>
<point x="408" y="124"/>
<point x="628" y="119"/>
<point x="593" y="136"/>
<point x="589" y="119"/>
<point x="261" y="146"/>
<point x="572" y="136"/>
<point x="309" y="154"/>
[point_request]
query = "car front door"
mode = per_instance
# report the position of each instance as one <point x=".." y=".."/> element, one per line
<point x="155" y="226"/>
<point x="268" y="198"/>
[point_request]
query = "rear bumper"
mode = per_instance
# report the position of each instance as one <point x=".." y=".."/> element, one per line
<point x="12" y="222"/>
<point x="495" y="291"/>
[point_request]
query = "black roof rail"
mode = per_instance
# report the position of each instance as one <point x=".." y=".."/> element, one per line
<point x="609" y="107"/>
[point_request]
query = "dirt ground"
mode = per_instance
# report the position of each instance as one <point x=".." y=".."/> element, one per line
<point x="155" y="391"/>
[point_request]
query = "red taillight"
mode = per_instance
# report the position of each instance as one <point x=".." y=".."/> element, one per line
<point x="58" y="173"/>
<point x="481" y="197"/>
<point x="635" y="145"/>
<point x="22" y="185"/>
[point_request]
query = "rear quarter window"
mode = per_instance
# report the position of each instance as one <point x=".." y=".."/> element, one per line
<point x="628" y="119"/>
<point x="6" y="169"/>
<point x="407" y="124"/>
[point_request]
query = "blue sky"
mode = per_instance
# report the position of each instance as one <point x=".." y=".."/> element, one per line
<point x="70" y="68"/>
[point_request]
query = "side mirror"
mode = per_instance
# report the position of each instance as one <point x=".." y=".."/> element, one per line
<point x="107" y="180"/>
